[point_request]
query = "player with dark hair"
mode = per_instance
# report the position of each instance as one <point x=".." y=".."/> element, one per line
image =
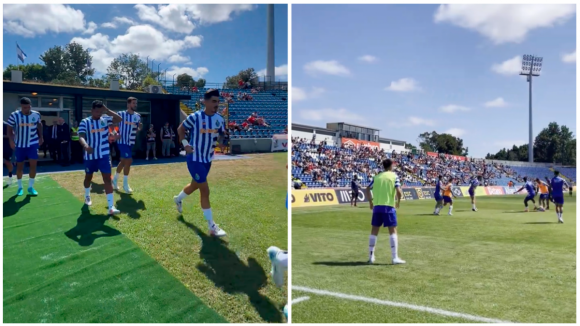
<point x="128" y="128"/>
<point x="558" y="185"/>
<point x="386" y="189"/>
<point x="94" y="138"/>
<point x="437" y="196"/>
<point x="204" y="126"/>
<point x="25" y="136"/>
<point x="550" y="199"/>
<point x="475" y="182"/>
<point x="448" y="197"/>
<point x="543" y="191"/>
<point x="529" y="186"/>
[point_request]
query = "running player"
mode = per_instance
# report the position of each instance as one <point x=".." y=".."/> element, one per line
<point x="529" y="186"/>
<point x="7" y="154"/>
<point x="448" y="197"/>
<point x="25" y="136"/>
<point x="472" y="186"/>
<point x="437" y="195"/>
<point x="544" y="192"/>
<point x="386" y="187"/>
<point x="354" y="190"/>
<point x="558" y="185"/>
<point x="549" y="193"/>
<point x="128" y="128"/>
<point x="204" y="127"/>
<point x="94" y="138"/>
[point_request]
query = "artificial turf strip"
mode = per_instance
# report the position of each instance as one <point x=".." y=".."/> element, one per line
<point x="498" y="263"/>
<point x="64" y="264"/>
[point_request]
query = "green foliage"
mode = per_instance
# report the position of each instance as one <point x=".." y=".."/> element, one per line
<point x="442" y="143"/>
<point x="149" y="80"/>
<point x="553" y="144"/>
<point x="31" y="71"/>
<point x="185" y="80"/>
<point x="200" y="83"/>
<point x="129" y="69"/>
<point x="245" y="75"/>
<point x="67" y="64"/>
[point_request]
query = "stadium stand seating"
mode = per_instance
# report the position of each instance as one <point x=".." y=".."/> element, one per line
<point x="321" y="165"/>
<point x="272" y="105"/>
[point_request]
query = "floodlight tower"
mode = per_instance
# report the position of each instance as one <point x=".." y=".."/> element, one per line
<point x="270" y="73"/>
<point x="531" y="67"/>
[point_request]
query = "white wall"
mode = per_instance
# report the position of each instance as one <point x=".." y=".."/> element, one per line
<point x="389" y="148"/>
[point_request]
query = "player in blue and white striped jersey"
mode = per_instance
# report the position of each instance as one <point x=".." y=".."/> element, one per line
<point x="129" y="126"/>
<point x="25" y="136"/>
<point x="94" y="138"/>
<point x="204" y="126"/>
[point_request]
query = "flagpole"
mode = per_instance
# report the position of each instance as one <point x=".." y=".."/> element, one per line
<point x="17" y="67"/>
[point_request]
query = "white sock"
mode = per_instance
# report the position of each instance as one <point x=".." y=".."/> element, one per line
<point x="208" y="216"/>
<point x="450" y="208"/>
<point x="20" y="183"/>
<point x="110" y="200"/>
<point x="282" y="258"/>
<point x="126" y="180"/>
<point x="30" y="182"/>
<point x="116" y="177"/>
<point x="394" y="246"/>
<point x="87" y="192"/>
<point x="372" y="244"/>
<point x="182" y="196"/>
<point x="473" y="206"/>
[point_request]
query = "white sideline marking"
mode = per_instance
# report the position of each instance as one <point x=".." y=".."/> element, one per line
<point x="399" y="304"/>
<point x="298" y="300"/>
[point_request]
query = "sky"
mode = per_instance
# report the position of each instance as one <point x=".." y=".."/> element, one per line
<point x="209" y="41"/>
<point x="409" y="69"/>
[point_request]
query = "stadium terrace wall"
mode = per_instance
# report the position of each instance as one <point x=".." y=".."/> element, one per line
<point x="335" y="196"/>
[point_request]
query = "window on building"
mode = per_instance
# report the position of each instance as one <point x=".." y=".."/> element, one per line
<point x="50" y="102"/>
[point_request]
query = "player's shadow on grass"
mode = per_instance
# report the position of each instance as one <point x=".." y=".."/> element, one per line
<point x="90" y="227"/>
<point x="346" y="263"/>
<point x="11" y="207"/>
<point x="223" y="267"/>
<point x="128" y="205"/>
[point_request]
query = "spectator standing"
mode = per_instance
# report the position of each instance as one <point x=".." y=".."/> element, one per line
<point x="167" y="136"/>
<point x="151" y="138"/>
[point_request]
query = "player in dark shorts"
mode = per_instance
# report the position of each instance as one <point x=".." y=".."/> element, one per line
<point x="7" y="154"/>
<point x="354" y="191"/>
<point x="550" y="199"/>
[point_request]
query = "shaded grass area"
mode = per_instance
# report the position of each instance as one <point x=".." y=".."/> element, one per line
<point x="497" y="263"/>
<point x="230" y="275"/>
<point x="64" y="263"/>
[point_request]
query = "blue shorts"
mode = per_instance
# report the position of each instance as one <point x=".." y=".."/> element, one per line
<point x="558" y="200"/>
<point x="384" y="216"/>
<point x="471" y="193"/>
<point x="544" y="196"/>
<point x="447" y="199"/>
<point x="126" y="150"/>
<point x="101" y="164"/>
<point x="8" y="153"/>
<point x="438" y="198"/>
<point x="530" y="197"/>
<point x="198" y="171"/>
<point x="23" y="153"/>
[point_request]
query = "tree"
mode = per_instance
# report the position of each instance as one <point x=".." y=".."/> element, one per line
<point x="185" y="80"/>
<point x="31" y="71"/>
<point x="410" y="146"/>
<point x="102" y="82"/>
<point x="54" y="62"/>
<point x="77" y="61"/>
<point x="200" y="83"/>
<point x="149" y="80"/>
<point x="129" y="69"/>
<point x="248" y="75"/>
<point x="67" y="64"/>
<point x="442" y="143"/>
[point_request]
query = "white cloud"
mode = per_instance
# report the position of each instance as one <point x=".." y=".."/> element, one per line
<point x="457" y="132"/>
<point x="331" y="67"/>
<point x="142" y="39"/>
<point x="502" y="23"/>
<point x="118" y="21"/>
<point x="509" y="67"/>
<point x="403" y="85"/>
<point x="368" y="58"/>
<point x="29" y="20"/>
<point x="195" y="73"/>
<point x="281" y="71"/>
<point x="299" y="94"/>
<point x="182" y="18"/>
<point x="91" y="27"/>
<point x="497" y="103"/>
<point x="569" y="57"/>
<point x="178" y="58"/>
<point x="415" y="121"/>
<point x="330" y="115"/>
<point x="453" y="108"/>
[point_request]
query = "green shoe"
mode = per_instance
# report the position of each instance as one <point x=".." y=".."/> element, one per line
<point x="20" y="192"/>
<point x="32" y="191"/>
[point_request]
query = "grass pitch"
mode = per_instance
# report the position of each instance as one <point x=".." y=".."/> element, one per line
<point x="230" y="276"/>
<point x="498" y="263"/>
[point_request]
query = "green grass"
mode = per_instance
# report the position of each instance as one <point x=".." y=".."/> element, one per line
<point x="64" y="264"/>
<point x="231" y="276"/>
<point x="498" y="263"/>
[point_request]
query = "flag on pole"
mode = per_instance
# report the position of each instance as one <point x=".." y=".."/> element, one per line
<point x="21" y="55"/>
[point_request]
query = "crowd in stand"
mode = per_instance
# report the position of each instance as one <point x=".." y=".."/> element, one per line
<point x="328" y="164"/>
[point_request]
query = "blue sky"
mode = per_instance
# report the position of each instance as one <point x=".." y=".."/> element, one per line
<point x="209" y="41"/>
<point x="407" y="69"/>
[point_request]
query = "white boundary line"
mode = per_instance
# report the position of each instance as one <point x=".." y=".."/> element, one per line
<point x="298" y="300"/>
<point x="399" y="304"/>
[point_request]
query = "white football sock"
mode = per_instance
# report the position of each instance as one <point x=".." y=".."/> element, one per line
<point x="110" y="200"/>
<point x="207" y="214"/>
<point x="450" y="208"/>
<point x="20" y="183"/>
<point x="126" y="180"/>
<point x="182" y="196"/>
<point x="394" y="246"/>
<point x="30" y="182"/>
<point x="87" y="191"/>
<point x="372" y="244"/>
